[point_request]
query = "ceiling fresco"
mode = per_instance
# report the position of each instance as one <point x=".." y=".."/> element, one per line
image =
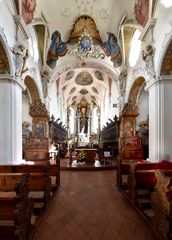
<point x="28" y="9"/>
<point x="84" y="78"/>
<point x="87" y="23"/>
<point x="69" y="75"/>
<point x="83" y="91"/>
<point x="95" y="90"/>
<point x="142" y="11"/>
<point x="99" y="75"/>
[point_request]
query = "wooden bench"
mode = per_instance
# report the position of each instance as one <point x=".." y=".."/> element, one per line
<point x="123" y="171"/>
<point x="142" y="181"/>
<point x="15" y="206"/>
<point x="161" y="200"/>
<point x="39" y="181"/>
<point x="54" y="170"/>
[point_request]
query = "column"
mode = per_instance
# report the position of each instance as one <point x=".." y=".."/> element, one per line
<point x="10" y="120"/>
<point x="89" y="126"/>
<point x="160" y="119"/>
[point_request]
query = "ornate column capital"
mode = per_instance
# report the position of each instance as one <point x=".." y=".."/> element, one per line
<point x="12" y="80"/>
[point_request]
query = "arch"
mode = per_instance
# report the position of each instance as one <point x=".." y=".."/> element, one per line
<point x="6" y="65"/>
<point x="166" y="64"/>
<point x="161" y="66"/>
<point x="32" y="87"/>
<point x="135" y="89"/>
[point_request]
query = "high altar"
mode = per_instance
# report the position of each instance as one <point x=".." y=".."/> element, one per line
<point x="83" y="123"/>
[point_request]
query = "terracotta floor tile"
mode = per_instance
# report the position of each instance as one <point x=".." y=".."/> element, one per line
<point x="88" y="206"/>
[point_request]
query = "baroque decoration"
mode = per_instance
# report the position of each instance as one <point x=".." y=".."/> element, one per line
<point x="83" y="91"/>
<point x="69" y="75"/>
<point x="38" y="109"/>
<point x="72" y="90"/>
<point x="21" y="55"/>
<point x="86" y="49"/>
<point x="113" y="50"/>
<point x="142" y="11"/>
<point x="95" y="90"/>
<point x="28" y="9"/>
<point x="84" y="78"/>
<point x="148" y="57"/>
<point x="57" y="49"/>
<point x="99" y="75"/>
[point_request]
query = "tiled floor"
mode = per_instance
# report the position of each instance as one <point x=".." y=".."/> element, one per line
<point x="89" y="206"/>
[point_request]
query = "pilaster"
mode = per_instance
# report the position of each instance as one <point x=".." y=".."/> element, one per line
<point x="160" y="116"/>
<point x="10" y="120"/>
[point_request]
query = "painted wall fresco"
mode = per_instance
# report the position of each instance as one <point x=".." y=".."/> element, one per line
<point x="57" y="49"/>
<point x="28" y="9"/>
<point x="142" y="11"/>
<point x="112" y="49"/>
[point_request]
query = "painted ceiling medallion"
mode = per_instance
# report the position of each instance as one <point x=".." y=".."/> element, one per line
<point x="99" y="75"/>
<point x="74" y="98"/>
<point x="93" y="98"/>
<point x="69" y="75"/>
<point x="95" y="90"/>
<point x="84" y="78"/>
<point x="83" y="91"/>
<point x="72" y="90"/>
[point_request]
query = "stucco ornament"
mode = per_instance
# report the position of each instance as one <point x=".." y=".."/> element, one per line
<point x="45" y="82"/>
<point x="148" y="57"/>
<point x="21" y="56"/>
<point x="122" y="81"/>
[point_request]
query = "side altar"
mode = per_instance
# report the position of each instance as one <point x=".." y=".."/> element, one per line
<point x="90" y="152"/>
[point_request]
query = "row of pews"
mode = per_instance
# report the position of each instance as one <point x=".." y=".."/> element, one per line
<point x="26" y="191"/>
<point x="148" y="187"/>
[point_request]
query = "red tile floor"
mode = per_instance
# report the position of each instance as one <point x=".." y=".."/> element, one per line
<point x="89" y="206"/>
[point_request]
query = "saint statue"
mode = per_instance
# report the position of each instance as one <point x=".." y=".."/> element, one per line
<point x="82" y="135"/>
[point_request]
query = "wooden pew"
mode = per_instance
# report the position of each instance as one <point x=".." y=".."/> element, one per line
<point x="123" y="171"/>
<point x="54" y="170"/>
<point x="15" y="206"/>
<point x="142" y="181"/>
<point x="39" y="181"/>
<point x="161" y="200"/>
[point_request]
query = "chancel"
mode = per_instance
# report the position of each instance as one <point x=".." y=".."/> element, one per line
<point x="85" y="119"/>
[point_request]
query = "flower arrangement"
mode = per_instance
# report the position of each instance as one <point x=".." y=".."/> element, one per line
<point x="82" y="156"/>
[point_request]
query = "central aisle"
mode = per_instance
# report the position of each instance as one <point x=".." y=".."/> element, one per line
<point x="89" y="206"/>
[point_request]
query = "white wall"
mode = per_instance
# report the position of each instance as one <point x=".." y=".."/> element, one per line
<point x="25" y="109"/>
<point x="54" y="102"/>
<point x="143" y="106"/>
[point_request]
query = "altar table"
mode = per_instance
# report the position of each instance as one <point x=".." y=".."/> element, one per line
<point x="91" y="153"/>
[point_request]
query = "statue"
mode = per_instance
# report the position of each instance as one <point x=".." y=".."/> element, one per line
<point x="45" y="82"/>
<point x="122" y="81"/>
<point x="82" y="135"/>
<point x="22" y="55"/>
<point x="147" y="56"/>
